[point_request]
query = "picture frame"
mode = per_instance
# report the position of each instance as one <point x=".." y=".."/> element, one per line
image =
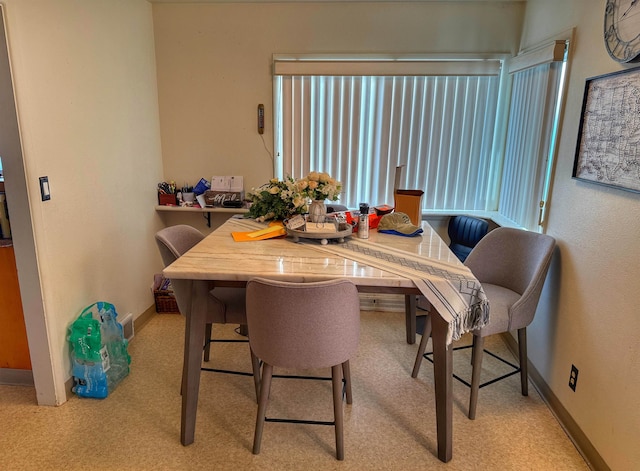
<point x="608" y="147"/>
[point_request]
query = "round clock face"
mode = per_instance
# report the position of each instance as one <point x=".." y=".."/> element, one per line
<point x="622" y="30"/>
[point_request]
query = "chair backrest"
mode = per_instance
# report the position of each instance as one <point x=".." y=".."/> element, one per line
<point x="303" y="325"/>
<point x="515" y="259"/>
<point x="410" y="203"/>
<point x="173" y="242"/>
<point x="336" y="208"/>
<point x="464" y="233"/>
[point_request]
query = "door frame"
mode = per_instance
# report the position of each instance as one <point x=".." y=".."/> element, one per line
<point x="18" y="203"/>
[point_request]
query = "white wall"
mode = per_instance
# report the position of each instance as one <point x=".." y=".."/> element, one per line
<point x="85" y="85"/>
<point x="592" y="319"/>
<point x="214" y="65"/>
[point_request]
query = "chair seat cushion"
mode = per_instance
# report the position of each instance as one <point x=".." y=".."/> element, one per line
<point x="500" y="301"/>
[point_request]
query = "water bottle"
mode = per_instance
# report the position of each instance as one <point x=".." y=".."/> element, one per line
<point x="363" y="222"/>
<point x="116" y="345"/>
<point x="90" y="379"/>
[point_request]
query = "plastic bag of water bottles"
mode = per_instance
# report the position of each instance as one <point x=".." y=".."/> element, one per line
<point x="99" y="354"/>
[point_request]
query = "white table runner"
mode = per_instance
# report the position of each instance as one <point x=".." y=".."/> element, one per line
<point x="451" y="288"/>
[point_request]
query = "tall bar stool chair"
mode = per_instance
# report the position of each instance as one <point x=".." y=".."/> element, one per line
<point x="511" y="264"/>
<point x="304" y="326"/>
<point x="224" y="305"/>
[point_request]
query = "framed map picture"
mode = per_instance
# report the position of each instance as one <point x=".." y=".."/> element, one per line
<point x="608" y="149"/>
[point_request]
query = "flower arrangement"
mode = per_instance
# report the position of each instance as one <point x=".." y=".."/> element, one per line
<point x="319" y="186"/>
<point x="281" y="199"/>
<point x="278" y="199"/>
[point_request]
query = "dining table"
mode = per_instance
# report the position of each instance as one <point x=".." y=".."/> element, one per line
<point x="377" y="264"/>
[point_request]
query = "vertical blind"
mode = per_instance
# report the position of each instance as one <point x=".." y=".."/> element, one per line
<point x="360" y="128"/>
<point x="533" y="122"/>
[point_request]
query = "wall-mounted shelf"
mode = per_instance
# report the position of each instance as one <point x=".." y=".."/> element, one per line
<point x="206" y="212"/>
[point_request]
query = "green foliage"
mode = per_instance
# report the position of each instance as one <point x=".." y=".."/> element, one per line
<point x="278" y="199"/>
<point x="281" y="199"/>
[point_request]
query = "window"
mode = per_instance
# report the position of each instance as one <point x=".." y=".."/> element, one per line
<point x="536" y="97"/>
<point x="444" y="120"/>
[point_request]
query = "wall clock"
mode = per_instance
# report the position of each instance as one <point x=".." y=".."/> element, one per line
<point x="622" y="30"/>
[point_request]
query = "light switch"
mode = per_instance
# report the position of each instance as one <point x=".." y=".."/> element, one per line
<point x="44" y="188"/>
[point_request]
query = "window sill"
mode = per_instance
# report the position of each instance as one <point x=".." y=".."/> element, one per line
<point x="492" y="216"/>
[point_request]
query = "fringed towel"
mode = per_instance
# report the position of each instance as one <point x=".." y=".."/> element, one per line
<point x="450" y="288"/>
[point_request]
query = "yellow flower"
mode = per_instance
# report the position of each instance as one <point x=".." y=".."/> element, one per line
<point x="299" y="201"/>
<point x="313" y="177"/>
<point x="313" y="184"/>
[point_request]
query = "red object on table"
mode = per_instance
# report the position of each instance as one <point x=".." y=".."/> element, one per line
<point x="373" y="221"/>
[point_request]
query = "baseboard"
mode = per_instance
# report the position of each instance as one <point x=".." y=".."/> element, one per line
<point x="143" y="318"/>
<point x="571" y="428"/>
<point x="13" y="377"/>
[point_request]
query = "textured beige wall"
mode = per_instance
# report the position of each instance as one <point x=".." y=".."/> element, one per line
<point x="85" y="85"/>
<point x="592" y="321"/>
<point x="214" y="65"/>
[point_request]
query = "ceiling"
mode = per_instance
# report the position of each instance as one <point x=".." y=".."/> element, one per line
<point x="325" y="1"/>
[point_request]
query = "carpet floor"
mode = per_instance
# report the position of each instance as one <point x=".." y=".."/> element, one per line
<point x="390" y="425"/>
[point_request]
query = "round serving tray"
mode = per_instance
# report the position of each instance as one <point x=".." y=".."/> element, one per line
<point x="324" y="237"/>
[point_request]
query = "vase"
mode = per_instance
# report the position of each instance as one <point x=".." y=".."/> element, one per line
<point x="317" y="211"/>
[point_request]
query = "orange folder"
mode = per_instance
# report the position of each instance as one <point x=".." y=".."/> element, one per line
<point x="275" y="229"/>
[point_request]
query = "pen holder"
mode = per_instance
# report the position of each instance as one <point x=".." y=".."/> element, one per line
<point x="167" y="199"/>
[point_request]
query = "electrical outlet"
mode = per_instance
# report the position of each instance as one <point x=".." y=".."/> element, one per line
<point x="573" y="378"/>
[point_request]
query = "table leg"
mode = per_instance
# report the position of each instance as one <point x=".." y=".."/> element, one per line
<point x="443" y="374"/>
<point x="410" y="313"/>
<point x="193" y="341"/>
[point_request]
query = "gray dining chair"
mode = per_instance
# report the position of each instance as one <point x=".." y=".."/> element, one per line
<point x="511" y="264"/>
<point x="224" y="305"/>
<point x="304" y="326"/>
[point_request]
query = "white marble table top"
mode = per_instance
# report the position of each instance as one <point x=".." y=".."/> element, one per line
<point x="218" y="257"/>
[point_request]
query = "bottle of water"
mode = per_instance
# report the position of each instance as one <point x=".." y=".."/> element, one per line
<point x="88" y="358"/>
<point x="363" y="222"/>
<point x="115" y="344"/>
<point x="90" y="379"/>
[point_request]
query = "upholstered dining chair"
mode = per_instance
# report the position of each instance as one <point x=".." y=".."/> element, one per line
<point x="511" y="264"/>
<point x="304" y="326"/>
<point x="464" y="233"/>
<point x="336" y="208"/>
<point x="224" y="305"/>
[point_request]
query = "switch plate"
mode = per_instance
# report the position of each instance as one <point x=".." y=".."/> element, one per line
<point x="44" y="189"/>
